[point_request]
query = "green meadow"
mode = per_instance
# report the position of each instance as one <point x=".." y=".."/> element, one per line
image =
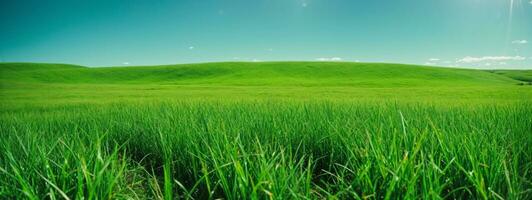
<point x="266" y="130"/>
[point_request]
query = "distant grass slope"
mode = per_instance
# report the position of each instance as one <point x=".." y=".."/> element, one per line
<point x="521" y="75"/>
<point x="254" y="74"/>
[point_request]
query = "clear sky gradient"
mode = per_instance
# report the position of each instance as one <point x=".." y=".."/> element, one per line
<point x="461" y="33"/>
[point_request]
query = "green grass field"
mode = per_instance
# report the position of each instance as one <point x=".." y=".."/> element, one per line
<point x="273" y="130"/>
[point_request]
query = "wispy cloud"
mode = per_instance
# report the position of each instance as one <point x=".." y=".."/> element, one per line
<point x="469" y="59"/>
<point x="329" y="59"/>
<point x="430" y="63"/>
<point x="125" y="63"/>
<point x="191" y="47"/>
<point x="434" y="59"/>
<point x="520" y="42"/>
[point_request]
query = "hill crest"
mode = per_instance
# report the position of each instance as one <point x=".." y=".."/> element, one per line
<point x="255" y="74"/>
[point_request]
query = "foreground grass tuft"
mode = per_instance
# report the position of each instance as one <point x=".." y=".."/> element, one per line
<point x="266" y="150"/>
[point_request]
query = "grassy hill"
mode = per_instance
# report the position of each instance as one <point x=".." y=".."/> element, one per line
<point x="268" y="73"/>
<point x="521" y="75"/>
<point x="58" y="83"/>
<point x="285" y="130"/>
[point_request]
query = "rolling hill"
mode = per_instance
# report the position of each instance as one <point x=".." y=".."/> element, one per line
<point x="37" y="84"/>
<point x="259" y="74"/>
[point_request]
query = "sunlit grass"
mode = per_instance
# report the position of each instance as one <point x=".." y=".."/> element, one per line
<point x="267" y="150"/>
<point x="264" y="131"/>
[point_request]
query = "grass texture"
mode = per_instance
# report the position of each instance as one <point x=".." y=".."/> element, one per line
<point x="263" y="131"/>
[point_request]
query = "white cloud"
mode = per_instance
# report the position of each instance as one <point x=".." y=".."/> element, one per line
<point x="530" y="2"/>
<point x="430" y="63"/>
<point x="469" y="59"/>
<point x="329" y="59"/>
<point x="191" y="47"/>
<point x="520" y="42"/>
<point x="434" y="59"/>
<point x="125" y="63"/>
<point x="304" y="4"/>
<point x="256" y="60"/>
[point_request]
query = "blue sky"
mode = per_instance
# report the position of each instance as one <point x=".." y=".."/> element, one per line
<point x="460" y="33"/>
